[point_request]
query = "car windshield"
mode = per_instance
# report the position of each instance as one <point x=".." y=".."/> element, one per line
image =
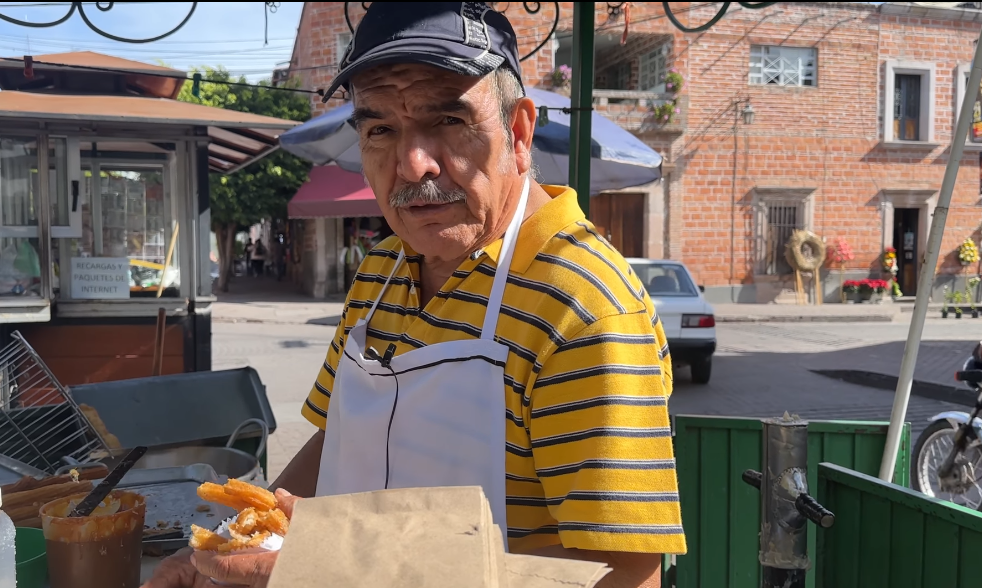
<point x="665" y="279"/>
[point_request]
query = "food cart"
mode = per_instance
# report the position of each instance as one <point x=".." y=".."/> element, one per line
<point x="119" y="225"/>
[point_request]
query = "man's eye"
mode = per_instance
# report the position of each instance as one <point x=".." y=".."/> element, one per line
<point x="452" y="120"/>
<point x="377" y="131"/>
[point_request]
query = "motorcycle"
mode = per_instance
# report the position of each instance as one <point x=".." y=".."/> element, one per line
<point x="947" y="457"/>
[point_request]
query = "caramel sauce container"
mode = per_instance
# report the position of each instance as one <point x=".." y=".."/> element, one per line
<point x="97" y="551"/>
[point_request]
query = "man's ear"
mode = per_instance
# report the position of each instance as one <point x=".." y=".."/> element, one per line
<point x="522" y="129"/>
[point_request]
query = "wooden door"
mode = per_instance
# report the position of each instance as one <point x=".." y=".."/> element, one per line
<point x="620" y="219"/>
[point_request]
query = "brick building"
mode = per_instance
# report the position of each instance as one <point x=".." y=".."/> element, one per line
<point x="853" y="108"/>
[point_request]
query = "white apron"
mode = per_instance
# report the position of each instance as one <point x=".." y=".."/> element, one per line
<point x="435" y="415"/>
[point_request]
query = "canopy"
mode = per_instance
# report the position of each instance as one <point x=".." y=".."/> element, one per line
<point x="332" y="192"/>
<point x="618" y="159"/>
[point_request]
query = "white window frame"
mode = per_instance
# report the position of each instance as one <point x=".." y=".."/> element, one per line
<point x="760" y="52"/>
<point x="763" y="198"/>
<point x="961" y="81"/>
<point x="73" y="230"/>
<point x="658" y="54"/>
<point x="927" y="73"/>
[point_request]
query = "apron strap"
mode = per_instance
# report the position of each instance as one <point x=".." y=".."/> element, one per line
<point x="504" y="266"/>
<point x="395" y="268"/>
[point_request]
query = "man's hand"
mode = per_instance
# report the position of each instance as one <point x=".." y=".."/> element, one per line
<point x="191" y="569"/>
<point x="177" y="571"/>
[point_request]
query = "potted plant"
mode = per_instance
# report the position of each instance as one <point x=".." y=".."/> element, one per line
<point x="968" y="253"/>
<point x="666" y="112"/>
<point x="958" y="305"/>
<point x="561" y="77"/>
<point x="849" y="290"/>
<point x="866" y="289"/>
<point x="879" y="287"/>
<point x="946" y="296"/>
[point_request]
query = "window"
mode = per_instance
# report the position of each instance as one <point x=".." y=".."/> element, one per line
<point x="907" y="107"/>
<point x="783" y="219"/>
<point x="779" y="212"/>
<point x="653" y="69"/>
<point x="20" y="267"/>
<point x="665" y="279"/>
<point x="908" y="113"/>
<point x="620" y="77"/>
<point x="343" y="39"/>
<point x="975" y="131"/>
<point x="783" y="66"/>
<point x="128" y="246"/>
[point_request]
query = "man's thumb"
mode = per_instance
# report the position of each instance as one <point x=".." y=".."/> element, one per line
<point x="286" y="501"/>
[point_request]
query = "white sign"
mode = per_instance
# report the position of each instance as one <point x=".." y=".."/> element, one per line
<point x="99" y="278"/>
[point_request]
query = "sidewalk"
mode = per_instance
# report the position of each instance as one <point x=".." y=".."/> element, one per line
<point x="264" y="300"/>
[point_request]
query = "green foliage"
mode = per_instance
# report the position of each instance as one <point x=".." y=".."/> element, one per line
<point x="262" y="189"/>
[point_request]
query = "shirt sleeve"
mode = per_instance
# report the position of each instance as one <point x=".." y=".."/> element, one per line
<point x="601" y="438"/>
<point x="315" y="407"/>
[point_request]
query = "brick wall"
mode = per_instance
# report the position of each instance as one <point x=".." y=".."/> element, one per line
<point x="827" y="137"/>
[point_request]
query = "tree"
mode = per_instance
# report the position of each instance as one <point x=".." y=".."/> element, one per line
<point x="258" y="191"/>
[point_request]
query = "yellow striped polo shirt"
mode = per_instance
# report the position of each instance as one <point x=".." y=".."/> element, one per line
<point x="588" y="456"/>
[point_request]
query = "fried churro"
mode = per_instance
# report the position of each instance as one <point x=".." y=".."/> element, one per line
<point x="258" y="517"/>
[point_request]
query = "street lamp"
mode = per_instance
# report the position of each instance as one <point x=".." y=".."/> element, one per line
<point x="748" y="114"/>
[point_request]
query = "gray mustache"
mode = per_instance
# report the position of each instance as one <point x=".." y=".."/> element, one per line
<point x="427" y="192"/>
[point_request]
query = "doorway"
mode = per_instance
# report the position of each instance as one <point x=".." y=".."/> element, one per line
<point x="620" y="219"/>
<point x="906" y="236"/>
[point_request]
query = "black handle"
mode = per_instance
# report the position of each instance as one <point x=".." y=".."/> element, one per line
<point x="753" y="477"/>
<point x="970" y="376"/>
<point x="813" y="511"/>
<point x="74" y="195"/>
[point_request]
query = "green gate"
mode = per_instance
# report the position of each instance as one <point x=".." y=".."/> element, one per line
<point x="721" y="513"/>
<point x="885" y="535"/>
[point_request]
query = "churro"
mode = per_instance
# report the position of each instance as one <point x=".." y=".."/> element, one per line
<point x="258" y="517"/>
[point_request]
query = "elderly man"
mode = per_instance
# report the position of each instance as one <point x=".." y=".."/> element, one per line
<point x="496" y="339"/>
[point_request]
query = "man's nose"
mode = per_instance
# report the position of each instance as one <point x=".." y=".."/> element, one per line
<point x="417" y="159"/>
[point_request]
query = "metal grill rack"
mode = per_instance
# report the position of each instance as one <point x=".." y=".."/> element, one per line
<point x="41" y="426"/>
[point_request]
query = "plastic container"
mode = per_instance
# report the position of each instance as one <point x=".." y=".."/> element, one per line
<point x="97" y="551"/>
<point x="32" y="559"/>
<point x="8" y="560"/>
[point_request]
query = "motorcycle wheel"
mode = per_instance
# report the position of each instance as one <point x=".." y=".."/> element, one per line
<point x="930" y="451"/>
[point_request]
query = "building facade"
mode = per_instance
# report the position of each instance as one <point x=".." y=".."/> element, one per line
<point x="831" y="117"/>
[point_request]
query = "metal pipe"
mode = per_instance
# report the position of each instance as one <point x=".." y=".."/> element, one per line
<point x="902" y="394"/>
<point x="783" y="533"/>
<point x="581" y="103"/>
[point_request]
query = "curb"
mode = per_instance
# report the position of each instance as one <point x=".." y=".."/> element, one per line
<point x="856" y="318"/>
<point x="255" y="321"/>
<point x="930" y="390"/>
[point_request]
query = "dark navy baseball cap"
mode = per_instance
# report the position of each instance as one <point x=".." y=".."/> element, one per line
<point x="468" y="38"/>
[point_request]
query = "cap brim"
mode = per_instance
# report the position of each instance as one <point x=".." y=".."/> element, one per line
<point x="448" y="55"/>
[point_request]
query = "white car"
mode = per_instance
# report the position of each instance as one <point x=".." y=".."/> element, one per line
<point x="688" y="320"/>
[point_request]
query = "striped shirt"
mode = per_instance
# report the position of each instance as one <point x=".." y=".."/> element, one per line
<point x="588" y="456"/>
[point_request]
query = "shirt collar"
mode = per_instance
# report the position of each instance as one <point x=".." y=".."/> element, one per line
<point x="560" y="212"/>
<point x="557" y="214"/>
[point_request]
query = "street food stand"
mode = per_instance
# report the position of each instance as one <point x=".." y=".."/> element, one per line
<point x="119" y="225"/>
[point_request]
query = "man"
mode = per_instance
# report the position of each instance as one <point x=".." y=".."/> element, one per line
<point x="495" y="339"/>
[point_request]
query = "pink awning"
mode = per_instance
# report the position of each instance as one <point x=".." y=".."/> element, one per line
<point x="331" y="192"/>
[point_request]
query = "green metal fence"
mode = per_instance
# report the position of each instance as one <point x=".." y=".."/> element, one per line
<point x="721" y="513"/>
<point x="885" y="535"/>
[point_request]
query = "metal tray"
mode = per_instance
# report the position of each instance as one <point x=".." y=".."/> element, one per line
<point x="172" y="501"/>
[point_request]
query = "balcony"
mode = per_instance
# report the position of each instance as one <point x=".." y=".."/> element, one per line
<point x="633" y="111"/>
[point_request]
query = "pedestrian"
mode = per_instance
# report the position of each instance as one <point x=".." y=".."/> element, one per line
<point x="258" y="258"/>
<point x="249" y="247"/>
<point x="526" y="356"/>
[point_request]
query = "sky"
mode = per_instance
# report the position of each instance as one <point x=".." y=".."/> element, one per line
<point x="219" y="33"/>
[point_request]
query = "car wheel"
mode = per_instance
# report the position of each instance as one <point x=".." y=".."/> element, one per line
<point x="702" y="369"/>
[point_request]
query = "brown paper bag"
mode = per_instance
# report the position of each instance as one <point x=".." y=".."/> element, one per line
<point x="412" y="538"/>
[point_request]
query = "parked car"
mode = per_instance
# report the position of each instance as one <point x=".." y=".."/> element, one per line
<point x="688" y="320"/>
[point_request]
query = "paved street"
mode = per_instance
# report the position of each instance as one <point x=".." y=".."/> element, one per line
<point x="761" y="369"/>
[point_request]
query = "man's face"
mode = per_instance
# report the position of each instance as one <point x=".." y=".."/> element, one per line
<point x="437" y="155"/>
